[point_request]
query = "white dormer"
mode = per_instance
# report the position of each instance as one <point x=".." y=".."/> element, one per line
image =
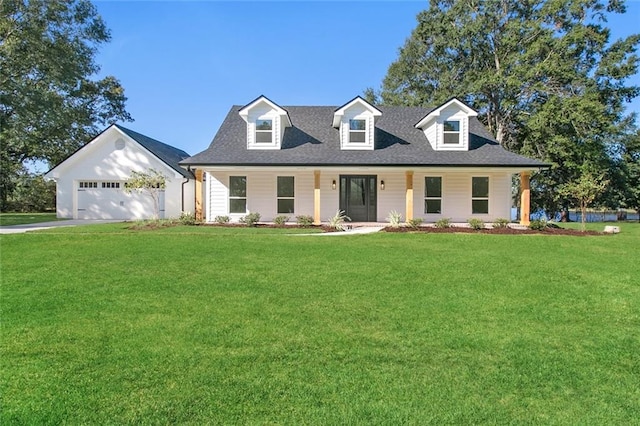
<point x="447" y="127"/>
<point x="266" y="122"/>
<point x="356" y="121"/>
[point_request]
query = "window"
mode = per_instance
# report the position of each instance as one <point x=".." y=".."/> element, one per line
<point x="285" y="194"/>
<point x="237" y="194"/>
<point x="433" y="195"/>
<point x="112" y="185"/>
<point x="88" y="184"/>
<point x="264" y="131"/>
<point x="480" y="195"/>
<point x="452" y="132"/>
<point x="357" y="130"/>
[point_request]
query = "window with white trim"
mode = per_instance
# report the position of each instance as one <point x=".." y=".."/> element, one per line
<point x="479" y="195"/>
<point x="237" y="194"/>
<point x="286" y="194"/>
<point x="451" y="132"/>
<point x="264" y="131"/>
<point x="85" y="184"/>
<point x="433" y="194"/>
<point x="357" y="131"/>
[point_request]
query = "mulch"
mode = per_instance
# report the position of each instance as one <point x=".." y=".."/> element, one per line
<point x="497" y="231"/>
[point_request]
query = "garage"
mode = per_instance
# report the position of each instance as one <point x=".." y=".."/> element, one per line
<point x="90" y="183"/>
<point x="108" y="200"/>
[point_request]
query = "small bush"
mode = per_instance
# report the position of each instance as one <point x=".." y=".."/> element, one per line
<point x="251" y="219"/>
<point x="415" y="222"/>
<point x="394" y="218"/>
<point x="221" y="219"/>
<point x="337" y="221"/>
<point x="445" y="222"/>
<point x="500" y="223"/>
<point x="304" y="220"/>
<point x="476" y="223"/>
<point x="281" y="220"/>
<point x="187" y="218"/>
<point x="538" y="224"/>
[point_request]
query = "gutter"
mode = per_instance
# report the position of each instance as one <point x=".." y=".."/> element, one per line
<point x="183" y="184"/>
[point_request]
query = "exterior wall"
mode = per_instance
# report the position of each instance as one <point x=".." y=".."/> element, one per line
<point x="104" y="161"/>
<point x="456" y="188"/>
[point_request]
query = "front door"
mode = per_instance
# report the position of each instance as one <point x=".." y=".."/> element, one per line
<point x="358" y="197"/>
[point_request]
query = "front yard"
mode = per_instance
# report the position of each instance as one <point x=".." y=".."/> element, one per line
<point x="251" y="326"/>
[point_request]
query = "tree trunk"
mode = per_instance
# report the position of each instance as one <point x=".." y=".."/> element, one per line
<point x="583" y="211"/>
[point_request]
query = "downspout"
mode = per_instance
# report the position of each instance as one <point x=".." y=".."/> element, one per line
<point x="183" y="184"/>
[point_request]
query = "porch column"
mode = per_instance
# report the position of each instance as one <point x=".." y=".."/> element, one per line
<point x="525" y="198"/>
<point x="316" y="197"/>
<point x="409" y="196"/>
<point x="198" y="202"/>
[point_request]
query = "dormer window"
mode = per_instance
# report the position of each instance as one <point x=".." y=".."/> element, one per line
<point x="264" y="131"/>
<point x="451" y="132"/>
<point x="266" y="124"/>
<point x="357" y="131"/>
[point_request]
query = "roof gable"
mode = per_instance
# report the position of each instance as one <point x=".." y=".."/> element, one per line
<point x="340" y="111"/>
<point x="434" y="113"/>
<point x="244" y="111"/>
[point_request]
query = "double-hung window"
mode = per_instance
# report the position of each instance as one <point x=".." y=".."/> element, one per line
<point x="264" y="131"/>
<point x="479" y="195"/>
<point x="357" y="130"/>
<point x="433" y="194"/>
<point x="286" y="191"/>
<point x="237" y="194"/>
<point x="451" y="132"/>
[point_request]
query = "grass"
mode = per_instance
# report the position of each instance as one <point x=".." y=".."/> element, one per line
<point x="249" y="326"/>
<point x="7" y="219"/>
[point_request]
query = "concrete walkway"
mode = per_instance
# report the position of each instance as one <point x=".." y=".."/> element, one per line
<point x="19" y="229"/>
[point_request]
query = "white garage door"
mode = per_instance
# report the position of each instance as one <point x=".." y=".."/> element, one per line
<point x="107" y="200"/>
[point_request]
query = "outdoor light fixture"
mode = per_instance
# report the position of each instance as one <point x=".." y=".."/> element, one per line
<point x="333" y="184"/>
<point x="382" y="185"/>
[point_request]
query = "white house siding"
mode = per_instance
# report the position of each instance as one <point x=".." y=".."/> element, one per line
<point x="262" y="191"/>
<point x="102" y="161"/>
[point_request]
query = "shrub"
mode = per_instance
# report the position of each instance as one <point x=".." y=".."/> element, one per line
<point x="476" y="223"/>
<point x="538" y="224"/>
<point x="394" y="218"/>
<point x="445" y="222"/>
<point x="304" y="220"/>
<point x="280" y="220"/>
<point x="415" y="222"/>
<point x="500" y="223"/>
<point x="337" y="221"/>
<point x="187" y="218"/>
<point x="221" y="219"/>
<point x="251" y="219"/>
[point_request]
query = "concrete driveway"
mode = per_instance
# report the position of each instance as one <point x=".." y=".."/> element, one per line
<point x="19" y="229"/>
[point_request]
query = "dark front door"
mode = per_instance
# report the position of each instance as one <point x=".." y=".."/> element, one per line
<point x="358" y="197"/>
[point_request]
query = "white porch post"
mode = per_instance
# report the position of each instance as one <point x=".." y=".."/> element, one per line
<point x="316" y="197"/>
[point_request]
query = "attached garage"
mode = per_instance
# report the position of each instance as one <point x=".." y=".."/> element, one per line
<point x="90" y="183"/>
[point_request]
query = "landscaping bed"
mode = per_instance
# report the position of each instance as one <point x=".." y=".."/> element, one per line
<point x="499" y="231"/>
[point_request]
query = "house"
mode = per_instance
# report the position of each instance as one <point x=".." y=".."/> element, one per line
<point x="90" y="182"/>
<point x="428" y="163"/>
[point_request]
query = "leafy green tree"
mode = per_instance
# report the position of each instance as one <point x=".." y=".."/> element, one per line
<point x="629" y="166"/>
<point x="543" y="74"/>
<point x="50" y="101"/>
<point x="32" y="194"/>
<point x="584" y="190"/>
<point x="151" y="182"/>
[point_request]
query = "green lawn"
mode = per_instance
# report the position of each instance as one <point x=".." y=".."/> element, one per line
<point x="7" y="219"/>
<point x="209" y="325"/>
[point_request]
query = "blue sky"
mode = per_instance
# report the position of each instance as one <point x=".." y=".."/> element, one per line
<point x="183" y="64"/>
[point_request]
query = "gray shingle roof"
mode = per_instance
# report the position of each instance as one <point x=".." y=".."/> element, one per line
<point x="313" y="141"/>
<point x="166" y="153"/>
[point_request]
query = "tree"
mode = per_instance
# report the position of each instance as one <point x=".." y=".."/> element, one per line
<point x="543" y="74"/>
<point x="50" y="102"/>
<point x="584" y="190"/>
<point x="629" y="166"/>
<point x="151" y="182"/>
